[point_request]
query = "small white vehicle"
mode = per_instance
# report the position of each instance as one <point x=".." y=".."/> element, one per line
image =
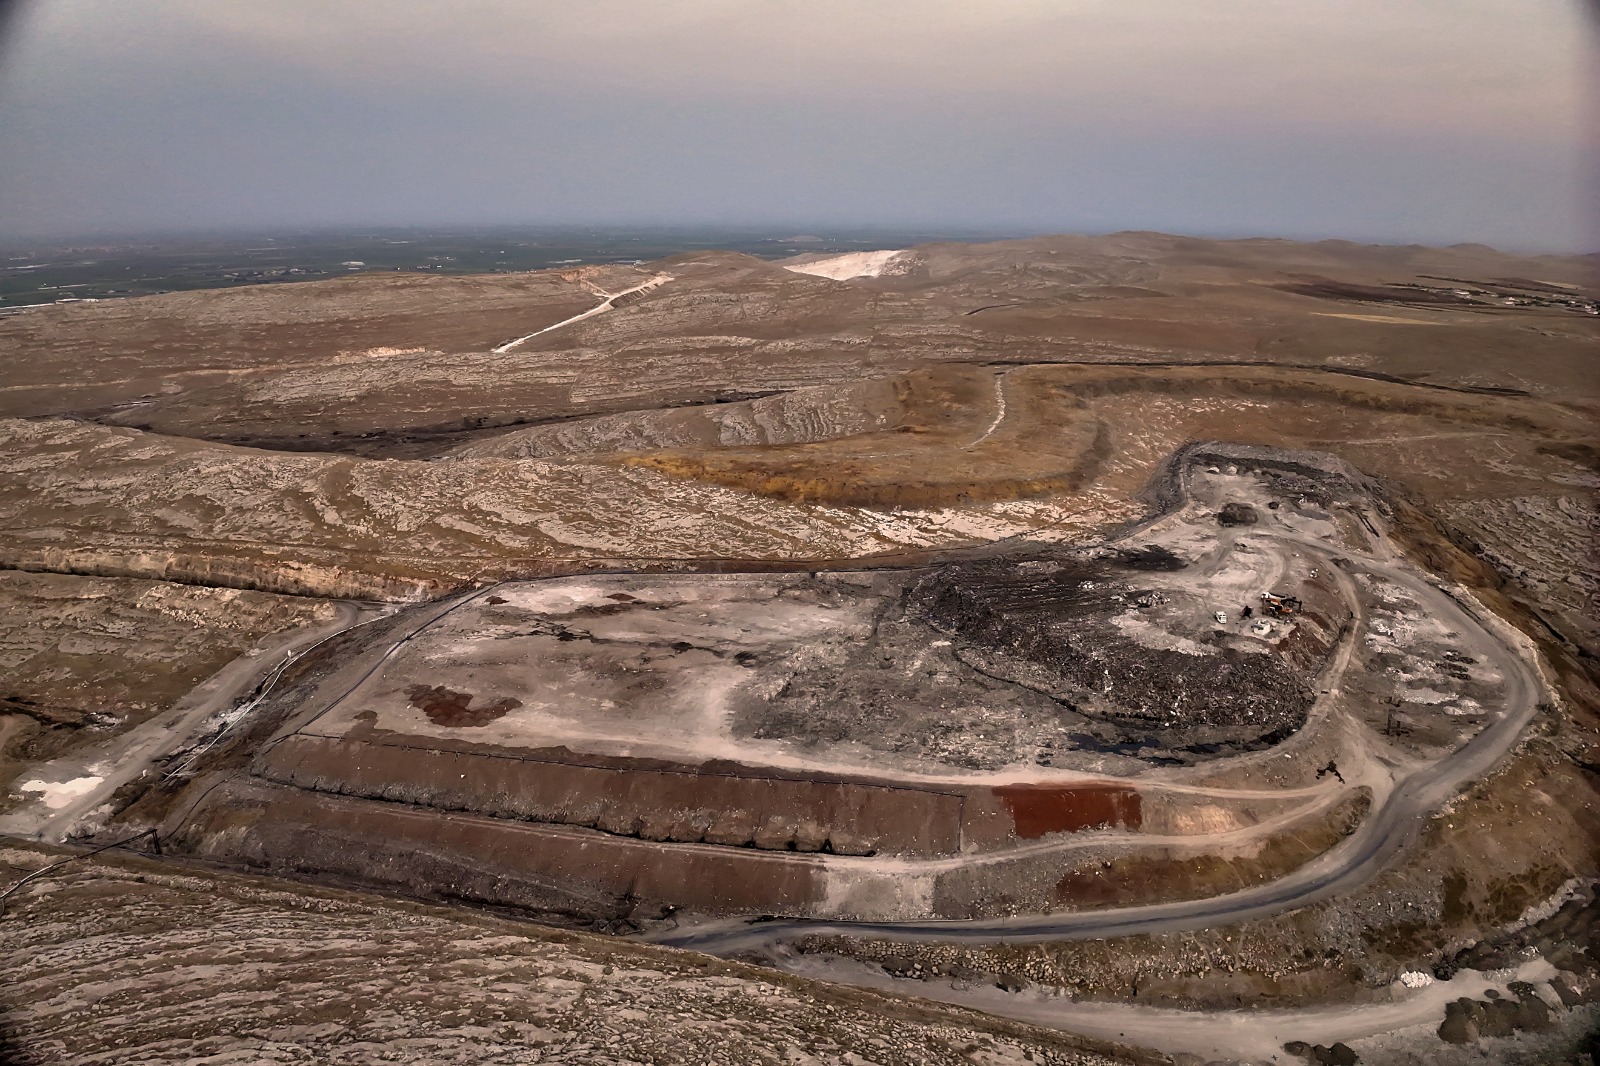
<point x="1221" y="617"/>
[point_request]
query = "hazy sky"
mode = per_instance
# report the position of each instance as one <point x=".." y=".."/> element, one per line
<point x="1396" y="120"/>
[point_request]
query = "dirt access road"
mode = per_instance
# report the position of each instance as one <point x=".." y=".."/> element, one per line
<point x="606" y="304"/>
<point x="75" y="786"/>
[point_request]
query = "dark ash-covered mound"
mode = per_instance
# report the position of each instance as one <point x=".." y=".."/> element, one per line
<point x="1046" y="628"/>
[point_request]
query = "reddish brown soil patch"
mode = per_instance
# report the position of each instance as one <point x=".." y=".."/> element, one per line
<point x="720" y="803"/>
<point x="1040" y="809"/>
<point x="447" y="707"/>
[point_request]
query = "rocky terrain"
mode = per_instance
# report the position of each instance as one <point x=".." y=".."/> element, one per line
<point x="202" y="967"/>
<point x="85" y="658"/>
<point x="893" y="588"/>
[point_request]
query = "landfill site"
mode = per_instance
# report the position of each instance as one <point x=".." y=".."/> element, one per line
<point x="1074" y="650"/>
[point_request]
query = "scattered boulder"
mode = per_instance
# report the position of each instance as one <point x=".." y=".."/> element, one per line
<point x="1339" y="1054"/>
<point x="1566" y="957"/>
<point x="1533" y="1014"/>
<point x="1487" y="957"/>
<point x="963" y="974"/>
<point x="1499" y="1019"/>
<point x="1565" y="992"/>
<point x="1520" y="989"/>
<point x="1458" y="1029"/>
<point x="1459" y="1025"/>
<point x="1466" y="1020"/>
<point x="1237" y="514"/>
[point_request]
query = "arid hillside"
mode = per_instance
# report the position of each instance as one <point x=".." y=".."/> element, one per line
<point x="297" y="975"/>
<point x="949" y="582"/>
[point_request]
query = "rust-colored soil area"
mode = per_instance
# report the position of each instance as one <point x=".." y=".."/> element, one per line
<point x="1040" y="809"/>
<point x="719" y="804"/>
<point x="447" y="707"/>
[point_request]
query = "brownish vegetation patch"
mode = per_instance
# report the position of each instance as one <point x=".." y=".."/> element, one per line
<point x="953" y="444"/>
<point x="1154" y="879"/>
<point x="454" y="710"/>
<point x="1040" y="809"/>
<point x="851" y="483"/>
<point x="1288" y="384"/>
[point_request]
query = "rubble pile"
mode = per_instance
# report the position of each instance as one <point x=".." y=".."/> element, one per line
<point x="1466" y="1019"/>
<point x="1047" y="629"/>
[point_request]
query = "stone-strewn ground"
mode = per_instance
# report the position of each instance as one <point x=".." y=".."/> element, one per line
<point x="122" y="961"/>
<point x="83" y="657"/>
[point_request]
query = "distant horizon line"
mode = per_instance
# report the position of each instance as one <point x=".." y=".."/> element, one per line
<point x="748" y="230"/>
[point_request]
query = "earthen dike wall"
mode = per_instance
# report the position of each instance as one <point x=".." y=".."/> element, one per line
<point x="717" y="803"/>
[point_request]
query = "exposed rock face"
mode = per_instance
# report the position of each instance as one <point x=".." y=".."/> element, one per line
<point x="1545" y="545"/>
<point x="1569" y="938"/>
<point x="315" y="524"/>
<point x="84" y="657"/>
<point x="801" y="416"/>
<point x="120" y="646"/>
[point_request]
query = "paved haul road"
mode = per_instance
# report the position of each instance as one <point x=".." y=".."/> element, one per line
<point x="1360" y="857"/>
<point x="131" y="753"/>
